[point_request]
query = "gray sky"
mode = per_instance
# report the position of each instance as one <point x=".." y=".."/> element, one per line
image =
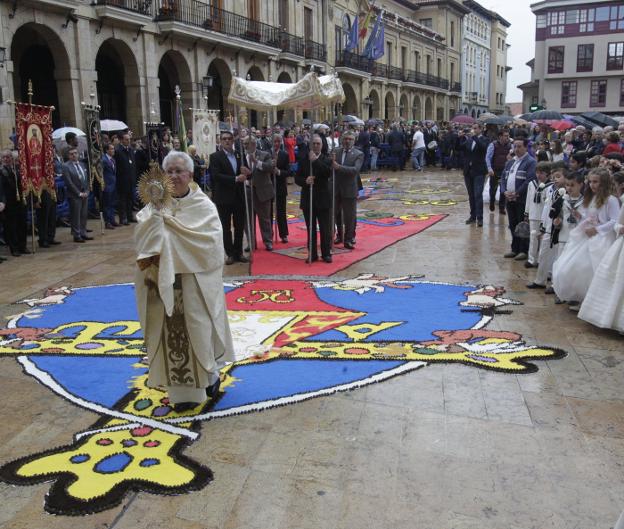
<point x="521" y="36"/>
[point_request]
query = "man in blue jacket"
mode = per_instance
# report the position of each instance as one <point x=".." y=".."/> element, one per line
<point x="514" y="184"/>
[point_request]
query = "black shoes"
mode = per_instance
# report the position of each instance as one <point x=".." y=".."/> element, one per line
<point x="229" y="260"/>
<point x="349" y="246"/>
<point x="284" y="239"/>
<point x="78" y="239"/>
<point x="328" y="258"/>
<point x="213" y="391"/>
<point x="88" y="238"/>
<point x="308" y="260"/>
<point x="337" y="240"/>
<point x="470" y="220"/>
<point x="182" y="407"/>
<point x="480" y="223"/>
<point x="44" y="245"/>
<point x="269" y="246"/>
<point x="535" y="285"/>
<point x="242" y="259"/>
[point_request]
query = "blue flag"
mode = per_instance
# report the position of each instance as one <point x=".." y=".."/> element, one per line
<point x="375" y="47"/>
<point x="352" y="37"/>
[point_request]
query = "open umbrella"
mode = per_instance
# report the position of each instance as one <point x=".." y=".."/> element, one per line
<point x="486" y="115"/>
<point x="495" y="120"/>
<point x="562" y="124"/>
<point x="59" y="134"/>
<point x="112" y="125"/>
<point x="543" y="114"/>
<point x="520" y="121"/>
<point x="600" y="119"/>
<point x="352" y="120"/>
<point x="464" y="119"/>
<point x="578" y="120"/>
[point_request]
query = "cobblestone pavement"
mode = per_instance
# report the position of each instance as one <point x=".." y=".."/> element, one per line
<point x="446" y="447"/>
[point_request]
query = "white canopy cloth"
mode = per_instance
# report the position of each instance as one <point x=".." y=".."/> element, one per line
<point x="312" y="91"/>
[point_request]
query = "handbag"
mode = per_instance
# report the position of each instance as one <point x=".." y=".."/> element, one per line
<point x="523" y="230"/>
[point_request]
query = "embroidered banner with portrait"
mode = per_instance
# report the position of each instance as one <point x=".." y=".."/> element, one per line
<point x="94" y="144"/>
<point x="205" y="128"/>
<point x="33" y="127"/>
<point x="154" y="134"/>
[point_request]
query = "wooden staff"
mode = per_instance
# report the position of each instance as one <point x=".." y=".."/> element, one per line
<point x="310" y="224"/>
<point x="247" y="212"/>
<point x="32" y="201"/>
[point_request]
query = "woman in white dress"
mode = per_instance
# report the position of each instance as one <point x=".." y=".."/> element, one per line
<point x="574" y="269"/>
<point x="604" y="304"/>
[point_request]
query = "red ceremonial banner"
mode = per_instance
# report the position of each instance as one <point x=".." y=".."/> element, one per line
<point x="33" y="126"/>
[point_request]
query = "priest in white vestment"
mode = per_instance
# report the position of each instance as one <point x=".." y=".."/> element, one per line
<point x="179" y="290"/>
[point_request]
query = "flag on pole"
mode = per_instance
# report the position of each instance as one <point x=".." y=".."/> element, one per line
<point x="366" y="9"/>
<point x="375" y="47"/>
<point x="352" y="37"/>
<point x="180" y="127"/>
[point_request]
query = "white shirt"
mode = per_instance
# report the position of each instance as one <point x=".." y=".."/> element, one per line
<point x="418" y="141"/>
<point x="511" y="177"/>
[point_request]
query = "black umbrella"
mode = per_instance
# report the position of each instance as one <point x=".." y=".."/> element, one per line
<point x="497" y="120"/>
<point x="525" y="117"/>
<point x="578" y="120"/>
<point x="544" y="114"/>
<point x="600" y="119"/>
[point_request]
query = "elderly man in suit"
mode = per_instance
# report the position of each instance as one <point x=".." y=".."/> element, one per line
<point x="313" y="175"/>
<point x="280" y="173"/>
<point x="260" y="164"/>
<point x="126" y="179"/>
<point x="76" y="181"/>
<point x="346" y="162"/>
<point x="517" y="175"/>
<point x="475" y="168"/>
<point x="228" y="175"/>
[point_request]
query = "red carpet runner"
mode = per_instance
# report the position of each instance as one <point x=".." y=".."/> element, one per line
<point x="373" y="235"/>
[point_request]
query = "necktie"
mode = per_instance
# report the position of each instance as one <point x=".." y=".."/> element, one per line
<point x="80" y="172"/>
<point x="344" y="157"/>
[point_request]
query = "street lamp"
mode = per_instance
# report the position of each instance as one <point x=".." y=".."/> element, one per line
<point x="206" y="84"/>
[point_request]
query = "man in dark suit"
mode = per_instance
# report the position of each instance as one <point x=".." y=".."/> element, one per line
<point x="109" y="167"/>
<point x="280" y="173"/>
<point x="363" y="144"/>
<point x="346" y="163"/>
<point x="76" y="181"/>
<point x="314" y="170"/>
<point x="228" y="175"/>
<point x="260" y="164"/>
<point x="430" y="135"/>
<point x="15" y="209"/>
<point x="46" y="209"/>
<point x="396" y="140"/>
<point x="475" y="147"/>
<point x="126" y="179"/>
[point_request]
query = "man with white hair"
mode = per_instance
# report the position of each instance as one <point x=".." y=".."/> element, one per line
<point x="179" y="290"/>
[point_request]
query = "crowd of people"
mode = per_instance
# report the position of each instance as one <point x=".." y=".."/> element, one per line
<point x="561" y="192"/>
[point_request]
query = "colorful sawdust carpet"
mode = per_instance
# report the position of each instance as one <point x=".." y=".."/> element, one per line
<point x="294" y="340"/>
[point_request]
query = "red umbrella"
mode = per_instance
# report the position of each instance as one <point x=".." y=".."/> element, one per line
<point x="562" y="124"/>
<point x="464" y="118"/>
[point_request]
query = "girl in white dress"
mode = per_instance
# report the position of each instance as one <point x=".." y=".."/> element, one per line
<point x="589" y="241"/>
<point x="604" y="304"/>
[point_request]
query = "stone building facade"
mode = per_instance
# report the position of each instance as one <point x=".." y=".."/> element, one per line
<point x="484" y="60"/>
<point x="129" y="55"/>
<point x="579" y="57"/>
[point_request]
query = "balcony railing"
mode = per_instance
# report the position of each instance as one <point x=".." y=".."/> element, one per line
<point x="291" y="44"/>
<point x="199" y="14"/>
<point x="347" y="59"/>
<point x="142" y="7"/>
<point x="315" y="51"/>
<point x="456" y="87"/>
<point x="357" y="62"/>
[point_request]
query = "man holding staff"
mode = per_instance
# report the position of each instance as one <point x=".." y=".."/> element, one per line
<point x="314" y="174"/>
